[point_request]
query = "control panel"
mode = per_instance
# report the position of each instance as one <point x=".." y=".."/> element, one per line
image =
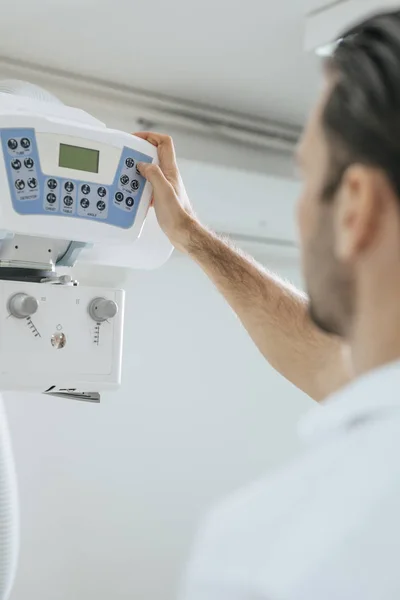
<point x="65" y="336"/>
<point x="35" y="192"/>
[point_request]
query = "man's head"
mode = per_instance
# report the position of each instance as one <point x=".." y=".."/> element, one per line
<point x="349" y="212"/>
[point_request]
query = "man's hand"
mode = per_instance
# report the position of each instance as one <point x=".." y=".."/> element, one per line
<point x="171" y="203"/>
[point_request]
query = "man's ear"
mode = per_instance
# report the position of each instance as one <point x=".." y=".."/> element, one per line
<point x="358" y="211"/>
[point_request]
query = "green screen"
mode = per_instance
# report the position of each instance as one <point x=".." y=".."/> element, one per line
<point x="82" y="159"/>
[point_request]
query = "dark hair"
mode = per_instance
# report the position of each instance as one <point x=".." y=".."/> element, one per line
<point x="362" y="116"/>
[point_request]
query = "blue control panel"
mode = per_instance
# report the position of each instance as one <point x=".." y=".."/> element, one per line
<point x="36" y="193"/>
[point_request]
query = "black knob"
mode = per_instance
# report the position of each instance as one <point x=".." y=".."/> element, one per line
<point x="129" y="202"/>
<point x="28" y="162"/>
<point x="51" y="198"/>
<point x="68" y="200"/>
<point x="12" y="144"/>
<point x="85" y="189"/>
<point x="85" y="203"/>
<point x="25" y="143"/>
<point x="16" y="164"/>
<point x="52" y="184"/>
<point x="69" y="186"/>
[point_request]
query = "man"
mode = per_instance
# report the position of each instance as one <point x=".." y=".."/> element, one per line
<point x="328" y="525"/>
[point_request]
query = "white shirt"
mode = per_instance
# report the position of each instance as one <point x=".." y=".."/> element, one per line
<point x="327" y="526"/>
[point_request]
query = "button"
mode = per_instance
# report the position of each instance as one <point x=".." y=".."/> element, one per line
<point x="124" y="180"/>
<point x="22" y="306"/>
<point x="69" y="186"/>
<point x="32" y="182"/>
<point x="68" y="200"/>
<point x="102" y="191"/>
<point x="20" y="184"/>
<point x="28" y="162"/>
<point x="137" y="170"/>
<point x="119" y="196"/>
<point x="52" y="184"/>
<point x="85" y="189"/>
<point x="12" y="144"/>
<point x="16" y="164"/>
<point x="130" y="163"/>
<point x="85" y="203"/>
<point x="25" y="143"/>
<point x="135" y="184"/>
<point x="51" y="198"/>
<point x="101" y="205"/>
<point x="129" y="202"/>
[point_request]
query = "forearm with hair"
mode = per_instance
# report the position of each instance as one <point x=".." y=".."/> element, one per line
<point x="274" y="313"/>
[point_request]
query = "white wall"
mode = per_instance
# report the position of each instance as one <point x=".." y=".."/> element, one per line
<point x="111" y="494"/>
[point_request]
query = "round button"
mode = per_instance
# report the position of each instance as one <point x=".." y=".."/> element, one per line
<point x="32" y="182"/>
<point x="101" y="205"/>
<point x="119" y="196"/>
<point x="52" y="184"/>
<point x="129" y="202"/>
<point x="28" y="162"/>
<point x="85" y="203"/>
<point x="12" y="144"/>
<point x="25" y="143"/>
<point x="85" y="189"/>
<point x="69" y="186"/>
<point x="16" y="164"/>
<point x="68" y="200"/>
<point x="20" y="184"/>
<point x="135" y="184"/>
<point x="124" y="179"/>
<point x="130" y="163"/>
<point x="102" y="191"/>
<point x="22" y="306"/>
<point x="101" y="309"/>
<point x="51" y="198"/>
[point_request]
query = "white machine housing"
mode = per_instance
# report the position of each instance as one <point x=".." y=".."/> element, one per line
<point x="69" y="190"/>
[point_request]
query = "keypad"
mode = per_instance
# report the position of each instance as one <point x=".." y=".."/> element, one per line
<point x="34" y="192"/>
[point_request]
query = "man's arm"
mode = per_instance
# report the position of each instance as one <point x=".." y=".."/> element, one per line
<point x="274" y="313"/>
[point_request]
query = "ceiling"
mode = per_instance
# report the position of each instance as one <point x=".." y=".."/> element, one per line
<point x="242" y="56"/>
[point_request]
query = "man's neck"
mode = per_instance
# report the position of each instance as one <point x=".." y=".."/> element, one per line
<point x="375" y="340"/>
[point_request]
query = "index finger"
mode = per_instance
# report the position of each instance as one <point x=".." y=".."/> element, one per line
<point x="165" y="146"/>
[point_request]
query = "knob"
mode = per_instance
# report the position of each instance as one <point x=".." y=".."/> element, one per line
<point x="22" y="306"/>
<point x="101" y="309"/>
